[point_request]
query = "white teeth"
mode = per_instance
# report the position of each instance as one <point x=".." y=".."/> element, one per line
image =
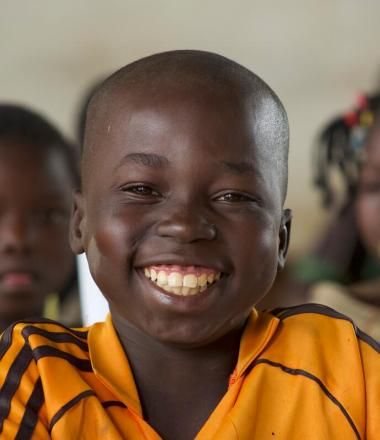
<point x="153" y="275"/>
<point x="175" y="279"/>
<point x="184" y="285"/>
<point x="190" y="280"/>
<point x="202" y="280"/>
<point x="185" y="290"/>
<point x="162" y="278"/>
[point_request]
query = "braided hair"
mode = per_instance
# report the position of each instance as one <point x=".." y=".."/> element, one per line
<point x="339" y="146"/>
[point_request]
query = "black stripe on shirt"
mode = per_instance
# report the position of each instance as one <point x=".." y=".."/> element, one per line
<point x="12" y="381"/>
<point x="47" y="351"/>
<point x="79" y="333"/>
<point x="30" y="417"/>
<point x="54" y="336"/>
<point x="299" y="372"/>
<point x="108" y="403"/>
<point x="320" y="309"/>
<point x="6" y="338"/>
<point x="283" y="313"/>
<point x="368" y="339"/>
<point x="69" y="405"/>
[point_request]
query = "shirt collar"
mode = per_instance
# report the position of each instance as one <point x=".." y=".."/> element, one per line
<point x="258" y="331"/>
<point x="111" y="365"/>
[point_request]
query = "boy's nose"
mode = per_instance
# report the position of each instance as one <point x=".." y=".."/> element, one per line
<point x="15" y="234"/>
<point x="186" y="226"/>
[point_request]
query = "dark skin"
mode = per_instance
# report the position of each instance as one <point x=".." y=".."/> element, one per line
<point x="188" y="384"/>
<point x="178" y="183"/>
<point x="367" y="206"/>
<point x="35" y="200"/>
<point x="368" y="198"/>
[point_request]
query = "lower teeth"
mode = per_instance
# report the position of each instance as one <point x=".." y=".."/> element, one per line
<point x="183" y="291"/>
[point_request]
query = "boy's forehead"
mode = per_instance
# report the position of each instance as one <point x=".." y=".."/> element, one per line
<point x="257" y="113"/>
<point x="234" y="95"/>
<point x="237" y="123"/>
<point x="180" y="73"/>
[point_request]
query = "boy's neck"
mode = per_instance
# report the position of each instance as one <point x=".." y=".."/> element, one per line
<point x="178" y="384"/>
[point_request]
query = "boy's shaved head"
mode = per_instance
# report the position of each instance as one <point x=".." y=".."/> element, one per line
<point x="182" y="72"/>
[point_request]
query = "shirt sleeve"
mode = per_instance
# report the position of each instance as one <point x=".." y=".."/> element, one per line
<point x="370" y="352"/>
<point x="22" y="412"/>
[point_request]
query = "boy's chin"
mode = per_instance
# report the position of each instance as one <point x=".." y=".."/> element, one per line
<point x="188" y="339"/>
<point x="186" y="333"/>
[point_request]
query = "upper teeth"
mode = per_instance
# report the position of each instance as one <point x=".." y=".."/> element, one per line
<point x="183" y="284"/>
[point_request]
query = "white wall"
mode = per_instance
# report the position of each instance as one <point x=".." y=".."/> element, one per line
<point x="315" y="53"/>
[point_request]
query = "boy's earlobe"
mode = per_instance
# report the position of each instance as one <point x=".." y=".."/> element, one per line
<point x="284" y="236"/>
<point x="76" y="224"/>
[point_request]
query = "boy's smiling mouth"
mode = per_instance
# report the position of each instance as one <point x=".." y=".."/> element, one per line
<point x="182" y="280"/>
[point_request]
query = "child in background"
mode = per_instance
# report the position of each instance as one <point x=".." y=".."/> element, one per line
<point x="180" y="213"/>
<point x="38" y="173"/>
<point x="343" y="265"/>
<point x="340" y="255"/>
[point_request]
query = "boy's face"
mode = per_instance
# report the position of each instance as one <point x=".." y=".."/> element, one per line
<point x="35" y="197"/>
<point x="368" y="199"/>
<point x="175" y="184"/>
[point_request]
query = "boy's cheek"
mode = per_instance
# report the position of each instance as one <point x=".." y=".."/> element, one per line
<point x="260" y="260"/>
<point x="108" y="240"/>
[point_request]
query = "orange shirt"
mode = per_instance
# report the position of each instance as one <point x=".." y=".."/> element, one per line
<point x="303" y="373"/>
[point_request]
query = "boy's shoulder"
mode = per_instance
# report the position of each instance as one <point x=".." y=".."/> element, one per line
<point x="321" y="318"/>
<point x="32" y="339"/>
<point x="318" y="333"/>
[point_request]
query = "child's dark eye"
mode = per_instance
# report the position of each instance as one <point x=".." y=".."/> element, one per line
<point x="232" y="197"/>
<point x="141" y="190"/>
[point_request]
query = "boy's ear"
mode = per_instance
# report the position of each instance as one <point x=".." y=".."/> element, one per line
<point x="77" y="222"/>
<point x="284" y="236"/>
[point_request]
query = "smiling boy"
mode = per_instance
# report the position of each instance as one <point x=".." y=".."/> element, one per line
<point x="180" y="213"/>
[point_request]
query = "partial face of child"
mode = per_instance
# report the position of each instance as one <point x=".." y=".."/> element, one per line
<point x="180" y="213"/>
<point x="368" y="199"/>
<point x="35" y="257"/>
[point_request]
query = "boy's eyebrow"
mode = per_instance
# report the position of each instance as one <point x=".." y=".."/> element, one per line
<point x="157" y="161"/>
<point x="146" y="159"/>
<point x="242" y="167"/>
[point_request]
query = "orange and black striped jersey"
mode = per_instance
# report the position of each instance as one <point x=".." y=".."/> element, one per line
<point x="302" y="373"/>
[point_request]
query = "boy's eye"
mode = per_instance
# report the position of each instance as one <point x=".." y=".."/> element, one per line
<point x="233" y="197"/>
<point x="141" y="190"/>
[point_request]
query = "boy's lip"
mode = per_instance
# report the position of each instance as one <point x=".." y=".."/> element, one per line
<point x="183" y="265"/>
<point x="184" y="302"/>
<point x="17" y="278"/>
<point x="183" y="261"/>
<point x="182" y="280"/>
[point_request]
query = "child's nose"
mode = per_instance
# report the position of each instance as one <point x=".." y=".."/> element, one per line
<point x="15" y="234"/>
<point x="185" y="225"/>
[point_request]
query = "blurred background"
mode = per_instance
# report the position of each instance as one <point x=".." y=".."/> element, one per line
<point x="316" y="54"/>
